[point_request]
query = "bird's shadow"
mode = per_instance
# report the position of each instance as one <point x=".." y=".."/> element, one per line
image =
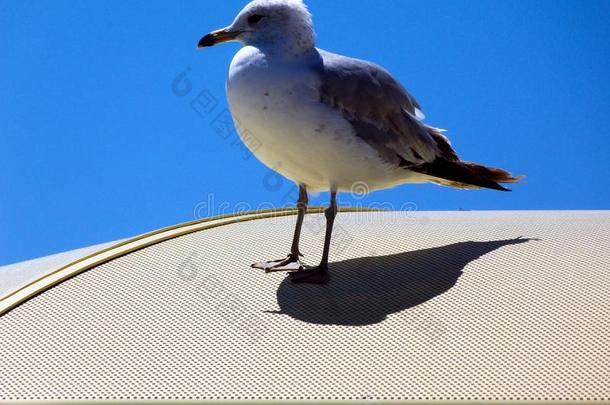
<point x="364" y="291"/>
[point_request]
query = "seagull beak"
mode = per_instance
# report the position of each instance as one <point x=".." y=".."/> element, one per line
<point x="218" y="37"/>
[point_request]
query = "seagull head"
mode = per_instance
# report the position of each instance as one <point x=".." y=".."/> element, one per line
<point x="270" y="25"/>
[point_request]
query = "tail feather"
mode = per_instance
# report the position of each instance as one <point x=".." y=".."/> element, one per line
<point x="456" y="173"/>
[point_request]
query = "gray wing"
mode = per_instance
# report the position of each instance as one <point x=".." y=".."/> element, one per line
<point x="381" y="111"/>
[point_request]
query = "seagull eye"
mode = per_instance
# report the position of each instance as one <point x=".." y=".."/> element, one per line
<point x="253" y="19"/>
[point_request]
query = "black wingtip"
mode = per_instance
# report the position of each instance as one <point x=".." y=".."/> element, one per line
<point x="504" y="189"/>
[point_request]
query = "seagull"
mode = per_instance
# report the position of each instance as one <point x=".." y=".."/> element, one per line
<point x="328" y="122"/>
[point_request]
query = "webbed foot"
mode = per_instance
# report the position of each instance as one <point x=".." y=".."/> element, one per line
<point x="291" y="263"/>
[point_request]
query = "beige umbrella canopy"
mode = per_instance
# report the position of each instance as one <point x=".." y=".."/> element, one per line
<point x="437" y="306"/>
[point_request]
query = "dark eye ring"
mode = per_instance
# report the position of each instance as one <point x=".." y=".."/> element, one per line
<point x="253" y="19"/>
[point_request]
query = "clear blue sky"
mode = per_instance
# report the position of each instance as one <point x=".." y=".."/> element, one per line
<point x="95" y="145"/>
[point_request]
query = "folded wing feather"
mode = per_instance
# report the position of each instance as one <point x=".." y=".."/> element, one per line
<point x="389" y="119"/>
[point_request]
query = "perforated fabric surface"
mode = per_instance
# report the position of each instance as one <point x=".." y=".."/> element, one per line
<point x="14" y="276"/>
<point x="424" y="306"/>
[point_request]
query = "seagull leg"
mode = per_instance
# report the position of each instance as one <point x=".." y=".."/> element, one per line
<point x="320" y="275"/>
<point x="292" y="262"/>
<point x="302" y="210"/>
